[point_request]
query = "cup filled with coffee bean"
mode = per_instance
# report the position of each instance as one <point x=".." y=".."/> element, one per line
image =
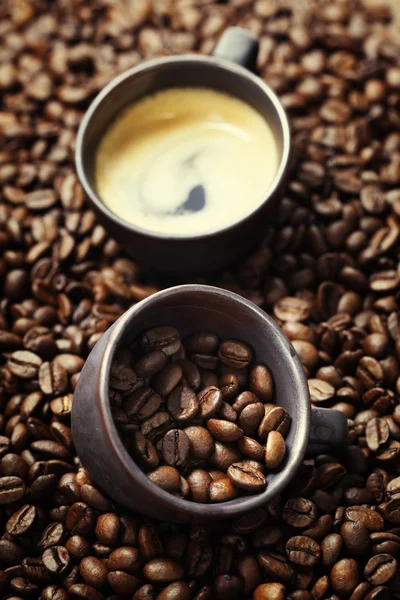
<point x="183" y="157"/>
<point x="194" y="406"/>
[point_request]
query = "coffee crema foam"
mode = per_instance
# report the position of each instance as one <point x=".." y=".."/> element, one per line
<point x="186" y="161"/>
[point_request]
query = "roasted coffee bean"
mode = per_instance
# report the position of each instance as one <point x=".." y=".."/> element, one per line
<point x="56" y="559"/>
<point x="155" y="426"/>
<point x="221" y="490"/>
<point x="12" y="489"/>
<point x="24" y="364"/>
<point x="227" y="413"/>
<point x="210" y="401"/>
<point x="380" y="569"/>
<point x="144" y="452"/>
<point x="141" y="404"/>
<point x="229" y="385"/>
<point x="261" y="383"/>
<point x="224" y="455"/>
<point x="183" y="404"/>
<point x="150" y="364"/>
<point x="299" y="513"/>
<point x="345" y="576"/>
<point x="175" y="448"/>
<point x="244" y="399"/>
<point x="199" y="482"/>
<point x="201" y="342"/>
<point x="201" y="441"/>
<point x="251" y="448"/>
<point x="275" y="450"/>
<point x="251" y="417"/>
<point x="224" y="431"/>
<point x="164" y="338"/>
<point x="163" y="570"/>
<point x="276" y="419"/>
<point x="302" y="550"/>
<point x="275" y="566"/>
<point x="167" y="379"/>
<point x="367" y="517"/>
<point x="246" y="478"/>
<point x="235" y="355"/>
<point x="166" y="478"/>
<point x="228" y="586"/>
<point x="331" y="546"/>
<point x="356" y="538"/>
<point x="270" y="591"/>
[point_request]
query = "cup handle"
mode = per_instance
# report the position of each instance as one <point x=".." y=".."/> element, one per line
<point x="328" y="431"/>
<point x="239" y="46"/>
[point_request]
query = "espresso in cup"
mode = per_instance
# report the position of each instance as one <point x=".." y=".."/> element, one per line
<point x="186" y="161"/>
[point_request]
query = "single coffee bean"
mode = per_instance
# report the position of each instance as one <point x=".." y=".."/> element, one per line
<point x="24" y="364"/>
<point x="79" y="519"/>
<point x="122" y="376"/>
<point x="270" y="591"/>
<point x="276" y="419"/>
<point x="224" y="455"/>
<point x="275" y="566"/>
<point x="331" y="546"/>
<point x="12" y="489"/>
<point x="191" y="374"/>
<point x="175" y="448"/>
<point x="178" y="590"/>
<point x="201" y="342"/>
<point x="302" y="550"/>
<point x="224" y="431"/>
<point x="244" y="399"/>
<point x="56" y="559"/>
<point x="356" y="538"/>
<point x="156" y="426"/>
<point x="199" y="558"/>
<point x="228" y="586"/>
<point x="167" y="478"/>
<point x="165" y="338"/>
<point x="236" y="355"/>
<point x="124" y="558"/>
<point x="250" y="522"/>
<point x="210" y="401"/>
<point x="183" y="404"/>
<point x="167" y="379"/>
<point x="141" y="404"/>
<point x="251" y="448"/>
<point x="345" y="576"/>
<point x="78" y="547"/>
<point x="229" y="385"/>
<point x="292" y="309"/>
<point x="205" y="361"/>
<point x="227" y="413"/>
<point x="144" y="452"/>
<point x="150" y="363"/>
<point x="246" y="478"/>
<point x="222" y="490"/>
<point x="199" y="482"/>
<point x="299" y="513"/>
<point x="380" y="569"/>
<point x="163" y="570"/>
<point x="251" y="417"/>
<point x="275" y="450"/>
<point x="367" y="517"/>
<point x="79" y="591"/>
<point x="261" y="383"/>
<point x="201" y="442"/>
<point x="376" y="433"/>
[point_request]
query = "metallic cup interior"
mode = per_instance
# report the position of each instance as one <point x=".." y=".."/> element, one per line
<point x="183" y="253"/>
<point x="189" y="308"/>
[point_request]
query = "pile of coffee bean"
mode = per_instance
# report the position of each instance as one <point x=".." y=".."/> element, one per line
<point x="328" y="271"/>
<point x="196" y="415"/>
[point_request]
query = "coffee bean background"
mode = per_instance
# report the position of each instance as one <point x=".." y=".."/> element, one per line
<point x="328" y="271"/>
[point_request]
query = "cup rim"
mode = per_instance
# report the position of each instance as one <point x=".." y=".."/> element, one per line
<point x="231" y="508"/>
<point x="154" y="64"/>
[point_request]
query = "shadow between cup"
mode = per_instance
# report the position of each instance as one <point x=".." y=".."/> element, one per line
<point x="226" y="71"/>
<point x="192" y="308"/>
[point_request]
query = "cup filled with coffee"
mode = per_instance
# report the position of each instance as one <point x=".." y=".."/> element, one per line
<point x="194" y="406"/>
<point x="183" y="157"/>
